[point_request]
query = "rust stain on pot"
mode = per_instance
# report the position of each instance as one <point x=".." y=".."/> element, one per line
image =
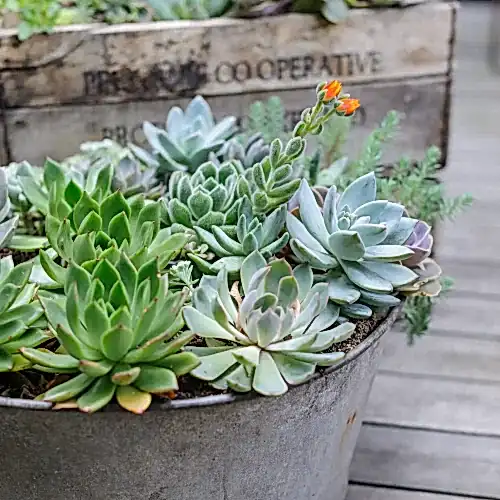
<point x="349" y="424"/>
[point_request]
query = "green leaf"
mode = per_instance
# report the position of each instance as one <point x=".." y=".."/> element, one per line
<point x="396" y="274"/>
<point x="125" y="375"/>
<point x="64" y="241"/>
<point x="106" y="273"/>
<point x="356" y="311"/>
<point x="253" y="263"/>
<point x="304" y="277"/>
<point x="320" y="359"/>
<point x="128" y="274"/>
<point x="74" y="346"/>
<point x="379" y="299"/>
<point x="181" y="363"/>
<point x="95" y="368"/>
<point x="347" y="245"/>
<point x="363" y="190"/>
<point x="72" y="193"/>
<point x="295" y="372"/>
<point x="149" y="271"/>
<point x="342" y="291"/>
<point x="50" y="359"/>
<point x="111" y="206"/>
<point x="326" y="338"/>
<point x="83" y="208"/>
<point x="240" y="379"/>
<point x="98" y="396"/>
<point x="311" y="215"/>
<point x="69" y="389"/>
<point x="119" y="228"/>
<point x="388" y="253"/>
<point x="215" y="365"/>
<point x="156" y="380"/>
<point x="83" y="249"/>
<point x="204" y="326"/>
<point x="267" y="379"/>
<point x="371" y="234"/>
<point x="362" y="276"/>
<point x="116" y="342"/>
<point x="6" y="360"/>
<point x="91" y="223"/>
<point x="56" y="314"/>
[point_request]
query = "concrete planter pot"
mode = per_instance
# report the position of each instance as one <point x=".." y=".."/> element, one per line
<point x="295" y="447"/>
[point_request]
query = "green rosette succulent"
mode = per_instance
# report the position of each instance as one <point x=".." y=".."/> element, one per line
<point x="188" y="139"/>
<point x="274" y="337"/>
<point x="358" y="241"/>
<point x="118" y="329"/>
<point x="22" y="323"/>
<point x="7" y="224"/>
<point x="267" y="237"/>
<point x="206" y="198"/>
<point x="86" y="227"/>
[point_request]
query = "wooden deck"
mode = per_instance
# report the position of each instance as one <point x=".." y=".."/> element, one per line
<point x="432" y="429"/>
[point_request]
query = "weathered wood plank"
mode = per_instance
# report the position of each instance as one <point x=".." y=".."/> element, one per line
<point x="89" y="64"/>
<point x="433" y="403"/>
<point x="357" y="492"/>
<point x="443" y="356"/>
<point x="432" y="461"/>
<point x="57" y="132"/>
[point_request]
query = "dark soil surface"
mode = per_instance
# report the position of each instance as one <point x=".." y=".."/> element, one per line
<point x="29" y="384"/>
<point x="17" y="256"/>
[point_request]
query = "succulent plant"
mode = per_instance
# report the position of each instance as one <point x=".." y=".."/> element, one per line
<point x="86" y="227"/>
<point x="171" y="10"/>
<point x="246" y="153"/>
<point x="22" y="323"/>
<point x="420" y="243"/>
<point x="119" y="330"/>
<point x="206" y="198"/>
<point x="358" y="240"/>
<point x="188" y="139"/>
<point x="260" y="8"/>
<point x="267" y="237"/>
<point x="276" y="336"/>
<point x="332" y="10"/>
<point x="7" y="225"/>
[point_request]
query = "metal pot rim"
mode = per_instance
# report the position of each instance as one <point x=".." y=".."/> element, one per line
<point x="219" y="399"/>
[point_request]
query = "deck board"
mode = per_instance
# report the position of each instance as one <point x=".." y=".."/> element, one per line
<point x="432" y="425"/>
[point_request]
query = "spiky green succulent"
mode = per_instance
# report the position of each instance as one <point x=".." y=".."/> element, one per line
<point x="172" y="10"/>
<point x="118" y="328"/>
<point x="86" y="227"/>
<point x="276" y="336"/>
<point x="267" y="236"/>
<point x="22" y="323"/>
<point x="358" y="240"/>
<point x="206" y="198"/>
<point x="187" y="140"/>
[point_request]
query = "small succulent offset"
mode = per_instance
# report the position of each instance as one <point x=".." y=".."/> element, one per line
<point x="187" y="140"/>
<point x="274" y="337"/>
<point x="22" y="323"/>
<point x="119" y="330"/>
<point x="245" y="152"/>
<point x="358" y="240"/>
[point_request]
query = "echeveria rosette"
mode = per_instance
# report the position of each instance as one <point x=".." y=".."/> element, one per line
<point x="274" y="337"/>
<point x="187" y="140"/>
<point x="7" y="224"/>
<point x="206" y="198"/>
<point x="246" y="153"/>
<point x="94" y="227"/>
<point x="119" y="331"/>
<point x="22" y="323"/>
<point x="268" y="237"/>
<point x="428" y="283"/>
<point x="358" y="241"/>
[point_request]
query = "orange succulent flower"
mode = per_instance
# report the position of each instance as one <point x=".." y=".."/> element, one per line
<point x="332" y="90"/>
<point x="348" y="106"/>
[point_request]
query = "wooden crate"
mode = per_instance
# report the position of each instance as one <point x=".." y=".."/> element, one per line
<point x="86" y="82"/>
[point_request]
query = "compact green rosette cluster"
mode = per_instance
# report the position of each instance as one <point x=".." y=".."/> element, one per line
<point x="118" y="327"/>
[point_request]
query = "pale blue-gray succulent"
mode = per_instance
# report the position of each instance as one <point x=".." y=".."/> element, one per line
<point x="7" y="224"/>
<point x="187" y="140"/>
<point x="358" y="241"/>
<point x="274" y="337"/>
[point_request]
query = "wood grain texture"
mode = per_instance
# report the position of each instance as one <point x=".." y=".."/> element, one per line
<point x="435" y="403"/>
<point x="57" y="132"/>
<point x="443" y="356"/>
<point x="94" y="64"/>
<point x="357" y="492"/>
<point x="432" y="461"/>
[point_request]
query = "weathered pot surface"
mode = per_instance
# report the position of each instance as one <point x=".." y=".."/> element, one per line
<point x="295" y="447"/>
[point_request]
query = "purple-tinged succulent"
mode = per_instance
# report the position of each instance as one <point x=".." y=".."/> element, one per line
<point x="420" y="241"/>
